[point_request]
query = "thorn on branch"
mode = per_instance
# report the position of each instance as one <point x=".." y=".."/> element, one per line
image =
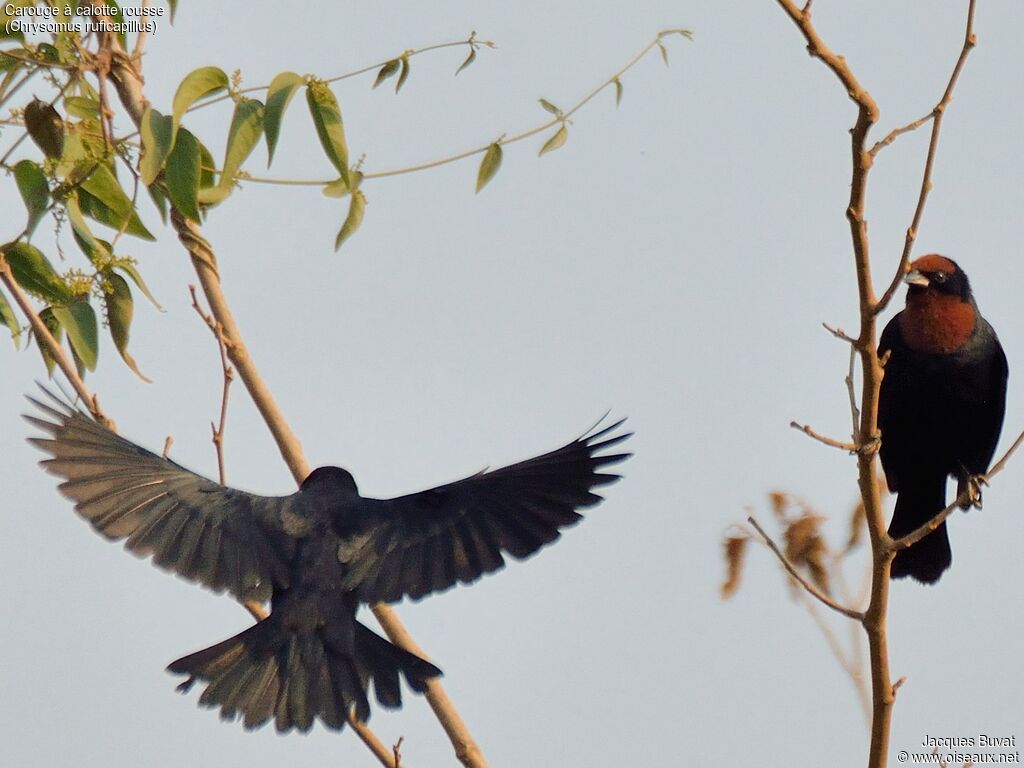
<point x="898" y="684"/>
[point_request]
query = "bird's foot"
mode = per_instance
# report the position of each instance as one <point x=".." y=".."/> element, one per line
<point x="870" y="446"/>
<point x="969" y="489"/>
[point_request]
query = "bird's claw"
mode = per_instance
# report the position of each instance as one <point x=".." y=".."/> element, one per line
<point x="971" y="487"/>
<point x="870" y="446"/>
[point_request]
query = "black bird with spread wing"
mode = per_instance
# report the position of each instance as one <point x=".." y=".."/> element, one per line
<point x="316" y="555"/>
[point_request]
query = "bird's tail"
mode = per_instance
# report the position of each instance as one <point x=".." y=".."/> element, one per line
<point x="271" y="671"/>
<point x="916" y="504"/>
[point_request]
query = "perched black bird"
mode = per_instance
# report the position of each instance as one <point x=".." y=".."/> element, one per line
<point x="941" y="406"/>
<point x="316" y="555"/>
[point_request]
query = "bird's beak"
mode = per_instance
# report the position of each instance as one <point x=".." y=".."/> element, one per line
<point x="916" y="277"/>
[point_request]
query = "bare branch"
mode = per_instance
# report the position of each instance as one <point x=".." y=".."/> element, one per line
<point x="926" y="180"/>
<point x="811" y="589"/>
<point x="806" y="429"/>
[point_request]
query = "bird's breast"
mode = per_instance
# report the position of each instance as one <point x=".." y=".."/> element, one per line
<point x="937" y="324"/>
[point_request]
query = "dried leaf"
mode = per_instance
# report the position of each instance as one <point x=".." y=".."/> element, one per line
<point x="618" y="92"/>
<point x="735" y="548"/>
<point x="780" y="503"/>
<point x="805" y="547"/>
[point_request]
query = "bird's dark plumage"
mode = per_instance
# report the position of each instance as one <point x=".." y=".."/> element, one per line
<point x="940" y="408"/>
<point x="316" y="554"/>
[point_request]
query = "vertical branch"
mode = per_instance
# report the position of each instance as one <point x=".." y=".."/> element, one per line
<point x="874" y="621"/>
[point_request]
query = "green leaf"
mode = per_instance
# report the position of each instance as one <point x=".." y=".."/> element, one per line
<point x="5" y="30"/>
<point x="34" y="272"/>
<point x="10" y="62"/>
<point x="96" y="250"/>
<point x="323" y="108"/>
<point x="404" y="74"/>
<point x="337" y="188"/>
<point x="45" y="127"/>
<point x="245" y="132"/>
<point x="129" y="269"/>
<point x="159" y="198"/>
<point x="618" y="92"/>
<point x="469" y="60"/>
<point x="49" y="54"/>
<point x="557" y="139"/>
<point x="550" y="107"/>
<point x="198" y="83"/>
<point x="279" y="95"/>
<point x="183" y="173"/>
<point x="120" y="309"/>
<point x="107" y="203"/>
<point x="356" y="208"/>
<point x="489" y="165"/>
<point x="206" y="166"/>
<point x="35" y="191"/>
<point x="157" y="133"/>
<point x="213" y="195"/>
<point x="79" y="320"/>
<point x="386" y="71"/>
<point x="8" y="318"/>
<point x="58" y="334"/>
<point x="82" y="107"/>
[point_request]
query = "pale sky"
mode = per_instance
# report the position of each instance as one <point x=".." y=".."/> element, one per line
<point x="672" y="262"/>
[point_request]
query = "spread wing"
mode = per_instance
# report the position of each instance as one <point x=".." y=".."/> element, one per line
<point x="220" y="537"/>
<point x="426" y="542"/>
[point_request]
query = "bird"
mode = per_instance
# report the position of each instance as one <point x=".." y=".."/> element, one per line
<point x="940" y="407"/>
<point x="316" y="555"/>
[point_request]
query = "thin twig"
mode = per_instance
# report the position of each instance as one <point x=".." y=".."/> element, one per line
<point x="558" y="120"/>
<point x="811" y="589"/>
<point x="839" y="333"/>
<point x="369" y="738"/>
<point x="852" y="395"/>
<point x="926" y="180"/>
<point x="831" y="442"/>
<point x="228" y="375"/>
<point x="396" y="748"/>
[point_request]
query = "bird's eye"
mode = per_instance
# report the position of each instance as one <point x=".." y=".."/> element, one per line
<point x="939" y="277"/>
